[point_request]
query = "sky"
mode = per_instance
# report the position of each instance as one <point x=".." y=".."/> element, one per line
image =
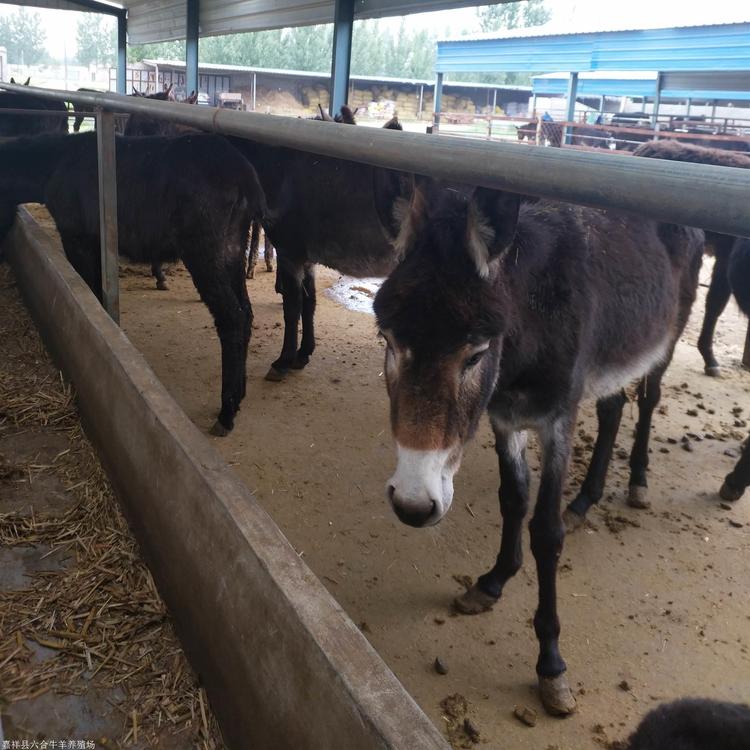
<point x="566" y="14"/>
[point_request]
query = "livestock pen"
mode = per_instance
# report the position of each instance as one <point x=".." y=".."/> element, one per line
<point x="685" y="193"/>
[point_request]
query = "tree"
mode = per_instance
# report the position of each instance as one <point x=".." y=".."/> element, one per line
<point x="513" y="15"/>
<point x="22" y="34"/>
<point x="506" y="16"/>
<point x="96" y="38"/>
<point x="157" y="51"/>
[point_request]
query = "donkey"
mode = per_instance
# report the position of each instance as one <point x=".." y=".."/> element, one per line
<point x="307" y="197"/>
<point x="142" y="125"/>
<point x="693" y="724"/>
<point x="190" y="198"/>
<point x="738" y="479"/>
<point x="521" y="309"/>
<point x="12" y="126"/>
<point x="718" y="245"/>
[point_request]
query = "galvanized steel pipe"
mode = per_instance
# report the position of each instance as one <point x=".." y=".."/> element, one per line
<point x="699" y="195"/>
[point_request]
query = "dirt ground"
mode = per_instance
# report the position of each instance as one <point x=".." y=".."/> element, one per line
<point x="87" y="649"/>
<point x="654" y="604"/>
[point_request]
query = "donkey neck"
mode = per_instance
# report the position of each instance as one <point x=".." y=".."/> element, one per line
<point x="26" y="165"/>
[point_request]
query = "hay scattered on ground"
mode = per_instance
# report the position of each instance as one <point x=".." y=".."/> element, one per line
<point x="100" y="617"/>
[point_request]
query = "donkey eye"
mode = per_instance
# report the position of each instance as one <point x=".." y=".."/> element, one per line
<point x="474" y="359"/>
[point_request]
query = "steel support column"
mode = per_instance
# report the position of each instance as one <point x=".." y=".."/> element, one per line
<point x="122" y="53"/>
<point x="437" y="101"/>
<point x="570" y="111"/>
<point x="105" y="141"/>
<point x="191" y="46"/>
<point x="343" y="27"/>
<point x="657" y="99"/>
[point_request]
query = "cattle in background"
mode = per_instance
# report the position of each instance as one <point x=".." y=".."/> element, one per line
<point x="523" y="309"/>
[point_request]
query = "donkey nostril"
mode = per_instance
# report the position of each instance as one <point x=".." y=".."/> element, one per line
<point x="391" y="492"/>
<point x="412" y="517"/>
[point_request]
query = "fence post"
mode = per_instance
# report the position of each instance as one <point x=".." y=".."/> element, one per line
<point x="105" y="142"/>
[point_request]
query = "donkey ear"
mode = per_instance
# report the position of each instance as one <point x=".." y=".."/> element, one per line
<point x="492" y="225"/>
<point x="27" y="81"/>
<point x="347" y="116"/>
<point x="392" y="192"/>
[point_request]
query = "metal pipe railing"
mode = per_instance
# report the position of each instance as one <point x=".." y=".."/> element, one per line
<point x="693" y="194"/>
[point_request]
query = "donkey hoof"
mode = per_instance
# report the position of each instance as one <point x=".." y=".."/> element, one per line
<point x="162" y="286"/>
<point x="713" y="371"/>
<point x="572" y="520"/>
<point x="556" y="695"/>
<point x="276" y="376"/>
<point x="637" y="497"/>
<point x="473" y="602"/>
<point x="218" y="430"/>
<point x="300" y="361"/>
<point x="729" y="493"/>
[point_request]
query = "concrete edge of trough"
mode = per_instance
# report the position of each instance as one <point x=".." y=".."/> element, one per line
<point x="283" y="665"/>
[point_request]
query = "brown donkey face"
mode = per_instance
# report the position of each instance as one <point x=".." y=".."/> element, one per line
<point x="437" y="398"/>
<point x="441" y="313"/>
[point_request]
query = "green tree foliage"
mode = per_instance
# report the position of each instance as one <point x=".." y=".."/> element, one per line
<point x="375" y="51"/>
<point x="513" y="15"/>
<point x="158" y="51"/>
<point x="22" y="34"/>
<point x="96" y="36"/>
<point x="504" y="17"/>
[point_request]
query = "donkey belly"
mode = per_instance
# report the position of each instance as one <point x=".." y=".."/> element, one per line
<point x="611" y="378"/>
<point x="357" y="259"/>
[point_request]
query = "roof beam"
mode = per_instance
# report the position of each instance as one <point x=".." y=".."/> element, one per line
<point x="82" y="6"/>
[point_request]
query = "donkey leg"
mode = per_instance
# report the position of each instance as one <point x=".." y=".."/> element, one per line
<point x="609" y="413"/>
<point x="547" y="535"/>
<point x="252" y="254"/>
<point x="718" y="295"/>
<point x="649" y="393"/>
<point x="216" y="288"/>
<point x="268" y="254"/>
<point x="514" y="502"/>
<point x="738" y="479"/>
<point x="237" y="274"/>
<point x="307" y="345"/>
<point x="289" y="283"/>
<point x="85" y="258"/>
<point x="158" y="273"/>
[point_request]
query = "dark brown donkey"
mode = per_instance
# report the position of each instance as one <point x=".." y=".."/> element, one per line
<point x="307" y="197"/>
<point x="718" y="245"/>
<point x="522" y="309"/>
<point x="190" y="198"/>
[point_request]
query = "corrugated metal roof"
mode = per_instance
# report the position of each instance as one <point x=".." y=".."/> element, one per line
<point x="719" y="47"/>
<point x="680" y="86"/>
<point x="104" y="6"/>
<point x="220" y="68"/>
<point x="557" y="29"/>
<point x="165" y="20"/>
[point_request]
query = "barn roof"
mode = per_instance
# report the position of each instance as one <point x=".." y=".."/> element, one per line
<point x="718" y="47"/>
<point x="719" y="87"/>
<point x="166" y="20"/>
<point x="229" y="69"/>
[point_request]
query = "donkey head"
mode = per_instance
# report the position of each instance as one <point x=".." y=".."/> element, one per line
<point x="192" y="99"/>
<point x="442" y="313"/>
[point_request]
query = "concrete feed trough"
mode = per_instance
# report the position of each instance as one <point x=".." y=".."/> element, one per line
<point x="283" y="665"/>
